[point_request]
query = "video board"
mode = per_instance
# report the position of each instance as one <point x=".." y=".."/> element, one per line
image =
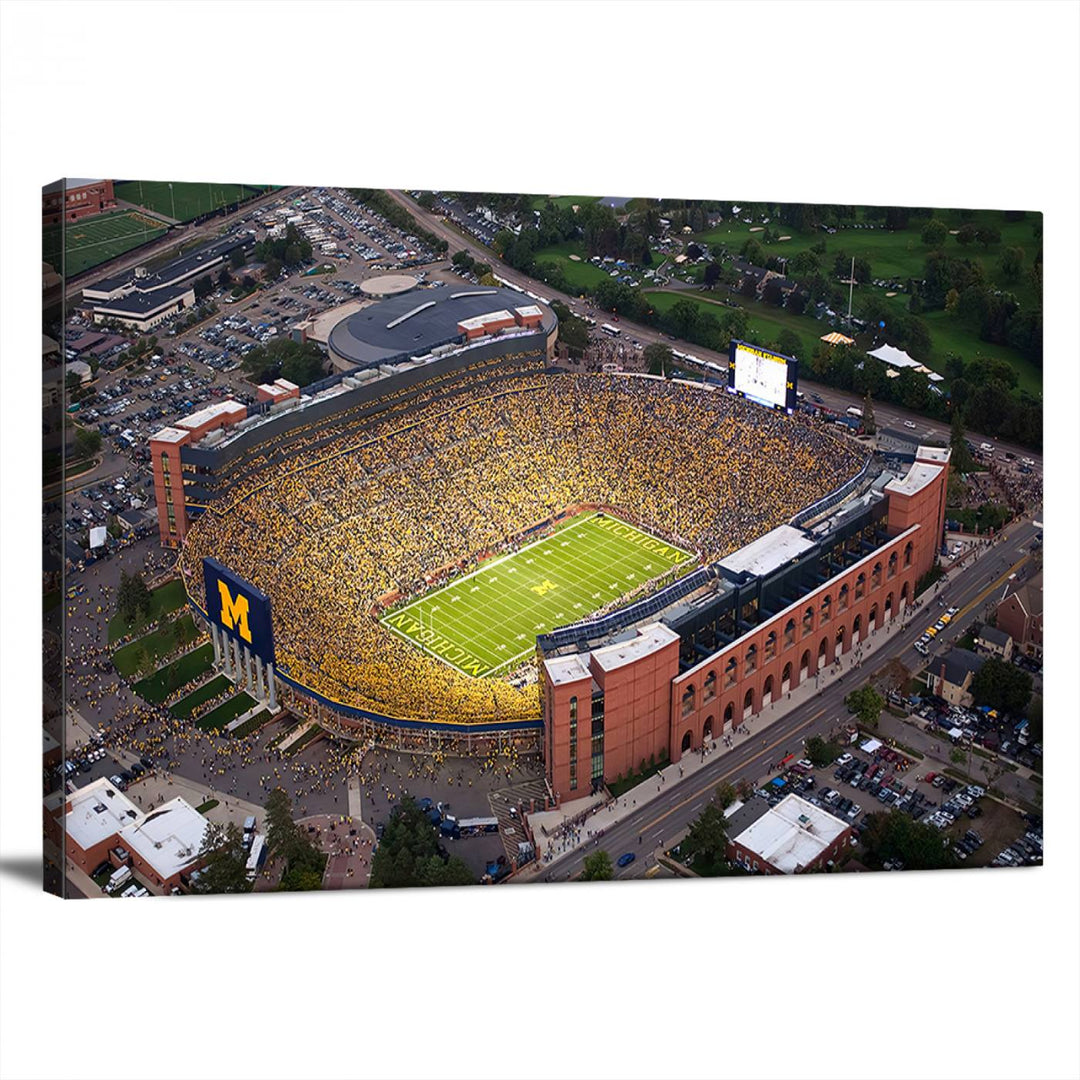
<point x="763" y="376"/>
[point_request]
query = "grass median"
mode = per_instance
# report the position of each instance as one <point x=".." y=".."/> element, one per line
<point x="217" y="718"/>
<point x="157" y="687"/>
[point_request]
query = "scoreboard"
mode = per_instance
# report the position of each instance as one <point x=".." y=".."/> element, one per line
<point x="239" y="610"/>
<point x="763" y="376"/>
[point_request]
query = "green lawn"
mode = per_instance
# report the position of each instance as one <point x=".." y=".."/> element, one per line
<point x="97" y="239"/>
<point x="312" y="733"/>
<point x="226" y="711"/>
<point x="488" y="620"/>
<point x="579" y="275"/>
<point x="206" y="807"/>
<point x="251" y="725"/>
<point x="187" y="199"/>
<point x="187" y="705"/>
<point x="163" y="600"/>
<point x="537" y="202"/>
<point x="157" y="687"/>
<point x="159" y="643"/>
<point x="902" y="255"/>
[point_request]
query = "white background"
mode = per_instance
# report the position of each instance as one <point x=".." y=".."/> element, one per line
<point x="760" y="377"/>
<point x="962" y="974"/>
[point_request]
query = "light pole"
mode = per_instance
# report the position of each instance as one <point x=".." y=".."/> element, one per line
<point x="172" y="199"/>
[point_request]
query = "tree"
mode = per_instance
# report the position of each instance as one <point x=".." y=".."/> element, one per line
<point x="952" y="300"/>
<point x="1001" y="685"/>
<point x="868" y="422"/>
<point x="657" y="358"/>
<point x="957" y="756"/>
<point x="203" y="286"/>
<point x="237" y="258"/>
<point x="772" y="293"/>
<point x="598" y="867"/>
<point x="1011" y="263"/>
<point x="87" y="442"/>
<point x="966" y="235"/>
<point x="706" y="842"/>
<point x="73" y="381"/>
<point x="224" y="278"/>
<point x="821" y="752"/>
<point x="693" y="252"/>
<point x="132" y="597"/>
<point x="894" y="835"/>
<point x="304" y="863"/>
<point x="934" y="233"/>
<point x="224" y="860"/>
<point x="866" y="703"/>
<point x="725" y="795"/>
<point x="988" y="235"/>
<point x="789" y="343"/>
<point x="961" y="456"/>
<point x="1035" y="719"/>
<point x="288" y="359"/>
<point x="408" y="854"/>
<point x="713" y="274"/>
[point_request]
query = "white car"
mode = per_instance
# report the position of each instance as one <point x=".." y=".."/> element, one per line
<point x="844" y="759"/>
<point x="909" y="424"/>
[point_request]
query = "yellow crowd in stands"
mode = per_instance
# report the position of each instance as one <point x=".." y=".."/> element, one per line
<point x="461" y="475"/>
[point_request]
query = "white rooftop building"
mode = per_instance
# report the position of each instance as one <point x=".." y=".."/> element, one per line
<point x="97" y="812"/>
<point x="791" y="836"/>
<point x="167" y="839"/>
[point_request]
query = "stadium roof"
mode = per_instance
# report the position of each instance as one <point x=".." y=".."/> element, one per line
<point x="648" y="640"/>
<point x="768" y="552"/>
<point x="409" y="325"/>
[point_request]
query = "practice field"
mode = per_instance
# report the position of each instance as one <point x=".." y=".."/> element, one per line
<point x="487" y="621"/>
<point x="97" y="239"/>
<point x="183" y="201"/>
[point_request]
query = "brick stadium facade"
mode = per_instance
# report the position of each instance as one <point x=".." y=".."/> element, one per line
<point x="608" y="709"/>
<point x="69" y="203"/>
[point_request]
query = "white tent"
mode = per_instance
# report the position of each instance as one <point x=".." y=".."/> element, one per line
<point x="897" y="358"/>
<point x="871" y="745"/>
<point x="97" y="536"/>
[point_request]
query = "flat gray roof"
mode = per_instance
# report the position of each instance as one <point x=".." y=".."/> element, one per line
<point x="417" y="322"/>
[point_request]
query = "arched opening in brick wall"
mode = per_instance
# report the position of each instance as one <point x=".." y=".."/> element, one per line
<point x="785" y="679"/>
<point x="748" y="704"/>
<point x="687" y="741"/>
<point x="767" y="691"/>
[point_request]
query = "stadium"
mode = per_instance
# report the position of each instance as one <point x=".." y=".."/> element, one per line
<point x="458" y="544"/>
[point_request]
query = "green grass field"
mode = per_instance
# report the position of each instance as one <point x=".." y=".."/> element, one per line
<point x="487" y="621"/>
<point x="157" y="687"/>
<point x="579" y="275"/>
<point x="187" y="705"/>
<point x="228" y="710"/>
<point x="95" y="240"/>
<point x="161" y="641"/>
<point x="163" y="600"/>
<point x="188" y="200"/>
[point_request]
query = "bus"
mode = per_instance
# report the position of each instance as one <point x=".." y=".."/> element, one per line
<point x="257" y="856"/>
<point x="613" y="331"/>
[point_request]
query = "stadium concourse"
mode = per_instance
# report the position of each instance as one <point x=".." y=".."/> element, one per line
<point x="336" y="532"/>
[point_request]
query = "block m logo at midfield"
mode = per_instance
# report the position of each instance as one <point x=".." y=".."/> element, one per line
<point x="234" y="612"/>
<point x="238" y="609"/>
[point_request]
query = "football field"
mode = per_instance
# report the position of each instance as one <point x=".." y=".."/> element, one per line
<point x="95" y="240"/>
<point x="486" y="622"/>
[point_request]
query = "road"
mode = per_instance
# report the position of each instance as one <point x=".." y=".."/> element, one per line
<point x="886" y="415"/>
<point x="658" y="823"/>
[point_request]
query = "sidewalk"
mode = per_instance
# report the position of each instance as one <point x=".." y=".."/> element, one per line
<point x="562" y="839"/>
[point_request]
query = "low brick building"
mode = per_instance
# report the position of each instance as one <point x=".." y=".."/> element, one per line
<point x="793" y="837"/>
<point x="1020" y="615"/>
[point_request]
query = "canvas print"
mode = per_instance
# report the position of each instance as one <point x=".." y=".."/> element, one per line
<point x="418" y="538"/>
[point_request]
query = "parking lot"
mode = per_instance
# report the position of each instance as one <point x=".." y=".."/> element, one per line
<point x="861" y="782"/>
